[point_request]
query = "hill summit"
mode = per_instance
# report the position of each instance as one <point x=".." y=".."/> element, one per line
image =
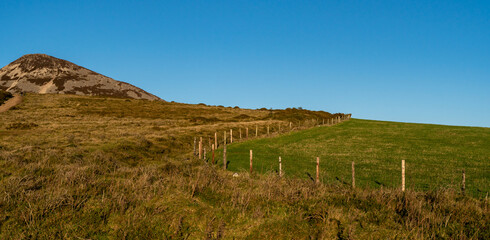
<point x="41" y="73"/>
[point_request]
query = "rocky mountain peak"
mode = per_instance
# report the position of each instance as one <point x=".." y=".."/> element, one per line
<point x="41" y="73"/>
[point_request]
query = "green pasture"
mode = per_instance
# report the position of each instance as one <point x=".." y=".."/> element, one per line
<point x="435" y="155"/>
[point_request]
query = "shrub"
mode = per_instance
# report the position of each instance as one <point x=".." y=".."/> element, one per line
<point x="4" y="96"/>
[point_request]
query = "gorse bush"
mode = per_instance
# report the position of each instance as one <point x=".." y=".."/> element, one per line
<point x="4" y="96"/>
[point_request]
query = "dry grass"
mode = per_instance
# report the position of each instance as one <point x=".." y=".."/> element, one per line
<point x="112" y="171"/>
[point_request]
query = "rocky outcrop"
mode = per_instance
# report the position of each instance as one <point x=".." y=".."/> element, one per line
<point x="40" y="73"/>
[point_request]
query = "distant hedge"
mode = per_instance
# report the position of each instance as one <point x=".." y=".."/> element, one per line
<point x="4" y="96"/>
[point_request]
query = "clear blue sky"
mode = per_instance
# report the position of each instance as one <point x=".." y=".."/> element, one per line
<point x="409" y="61"/>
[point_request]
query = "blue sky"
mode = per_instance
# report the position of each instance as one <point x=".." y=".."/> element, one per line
<point x="409" y="61"/>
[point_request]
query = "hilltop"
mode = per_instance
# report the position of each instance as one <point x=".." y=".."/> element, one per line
<point x="41" y="73"/>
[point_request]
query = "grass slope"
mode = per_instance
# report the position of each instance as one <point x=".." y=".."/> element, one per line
<point x="104" y="168"/>
<point x="435" y="155"/>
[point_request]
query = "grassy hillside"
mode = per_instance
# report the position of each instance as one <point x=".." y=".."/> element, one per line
<point x="103" y="168"/>
<point x="435" y="155"/>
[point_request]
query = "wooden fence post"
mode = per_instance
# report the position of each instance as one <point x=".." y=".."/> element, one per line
<point x="246" y="133"/>
<point x="463" y="184"/>
<point x="224" y="157"/>
<point x="204" y="155"/>
<point x="212" y="147"/>
<point x="403" y="175"/>
<point x="290" y="125"/>
<point x="251" y="161"/>
<point x="280" y="167"/>
<point x="200" y="148"/>
<point x="195" y="142"/>
<point x="231" y="135"/>
<point x="215" y="139"/>
<point x="267" y="130"/>
<point x="224" y="137"/>
<point x="256" y="131"/>
<point x="240" y="134"/>
<point x="323" y="121"/>
<point x="279" y="127"/>
<point x="317" y="169"/>
<point x="353" y="176"/>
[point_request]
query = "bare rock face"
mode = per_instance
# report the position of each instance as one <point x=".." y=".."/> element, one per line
<point x="40" y="73"/>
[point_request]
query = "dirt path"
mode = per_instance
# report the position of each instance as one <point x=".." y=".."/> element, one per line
<point x="11" y="103"/>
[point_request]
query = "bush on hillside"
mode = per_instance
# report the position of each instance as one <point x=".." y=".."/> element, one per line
<point x="4" y="96"/>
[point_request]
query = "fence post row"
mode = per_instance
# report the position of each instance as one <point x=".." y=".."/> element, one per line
<point x="317" y="180"/>
<point x="231" y="135"/>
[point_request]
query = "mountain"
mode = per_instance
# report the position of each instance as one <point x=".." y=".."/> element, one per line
<point x="40" y="73"/>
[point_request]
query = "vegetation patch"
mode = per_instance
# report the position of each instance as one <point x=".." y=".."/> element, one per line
<point x="21" y="126"/>
<point x="4" y="96"/>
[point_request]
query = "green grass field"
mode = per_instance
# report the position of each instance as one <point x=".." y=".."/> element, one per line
<point x="435" y="155"/>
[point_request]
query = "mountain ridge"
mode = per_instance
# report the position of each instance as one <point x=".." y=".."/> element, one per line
<point x="41" y="73"/>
